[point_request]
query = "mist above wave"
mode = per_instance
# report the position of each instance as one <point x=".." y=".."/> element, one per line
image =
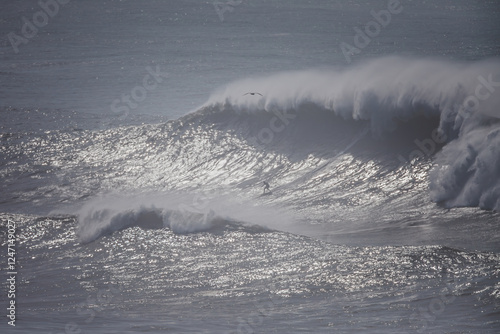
<point x="380" y="90"/>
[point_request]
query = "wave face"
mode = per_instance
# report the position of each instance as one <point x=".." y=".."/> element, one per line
<point x="395" y="92"/>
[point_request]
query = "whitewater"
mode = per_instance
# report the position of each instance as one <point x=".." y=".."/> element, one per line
<point x="384" y="172"/>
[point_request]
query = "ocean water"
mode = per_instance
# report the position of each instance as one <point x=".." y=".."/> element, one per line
<point x="136" y="137"/>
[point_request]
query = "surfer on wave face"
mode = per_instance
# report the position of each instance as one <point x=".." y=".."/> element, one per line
<point x="266" y="187"/>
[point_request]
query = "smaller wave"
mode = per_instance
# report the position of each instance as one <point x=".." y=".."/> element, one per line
<point x="392" y="92"/>
<point x="106" y="221"/>
<point x="105" y="215"/>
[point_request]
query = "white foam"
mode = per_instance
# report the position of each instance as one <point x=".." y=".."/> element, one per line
<point x="379" y="90"/>
<point x="467" y="171"/>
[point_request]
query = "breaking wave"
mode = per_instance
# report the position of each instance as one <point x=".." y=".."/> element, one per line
<point x="396" y="92"/>
<point x="176" y="211"/>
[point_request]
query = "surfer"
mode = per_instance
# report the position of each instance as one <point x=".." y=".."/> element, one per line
<point x="253" y="93"/>
<point x="266" y="187"/>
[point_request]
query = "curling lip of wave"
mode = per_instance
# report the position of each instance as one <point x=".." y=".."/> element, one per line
<point x="107" y="221"/>
<point x="379" y="90"/>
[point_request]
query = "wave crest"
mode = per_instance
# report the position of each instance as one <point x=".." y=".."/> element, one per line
<point x="382" y="90"/>
<point x="183" y="213"/>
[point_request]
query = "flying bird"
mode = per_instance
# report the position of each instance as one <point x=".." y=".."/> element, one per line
<point x="253" y="93"/>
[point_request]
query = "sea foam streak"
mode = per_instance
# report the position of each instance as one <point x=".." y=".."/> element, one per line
<point x="465" y="97"/>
